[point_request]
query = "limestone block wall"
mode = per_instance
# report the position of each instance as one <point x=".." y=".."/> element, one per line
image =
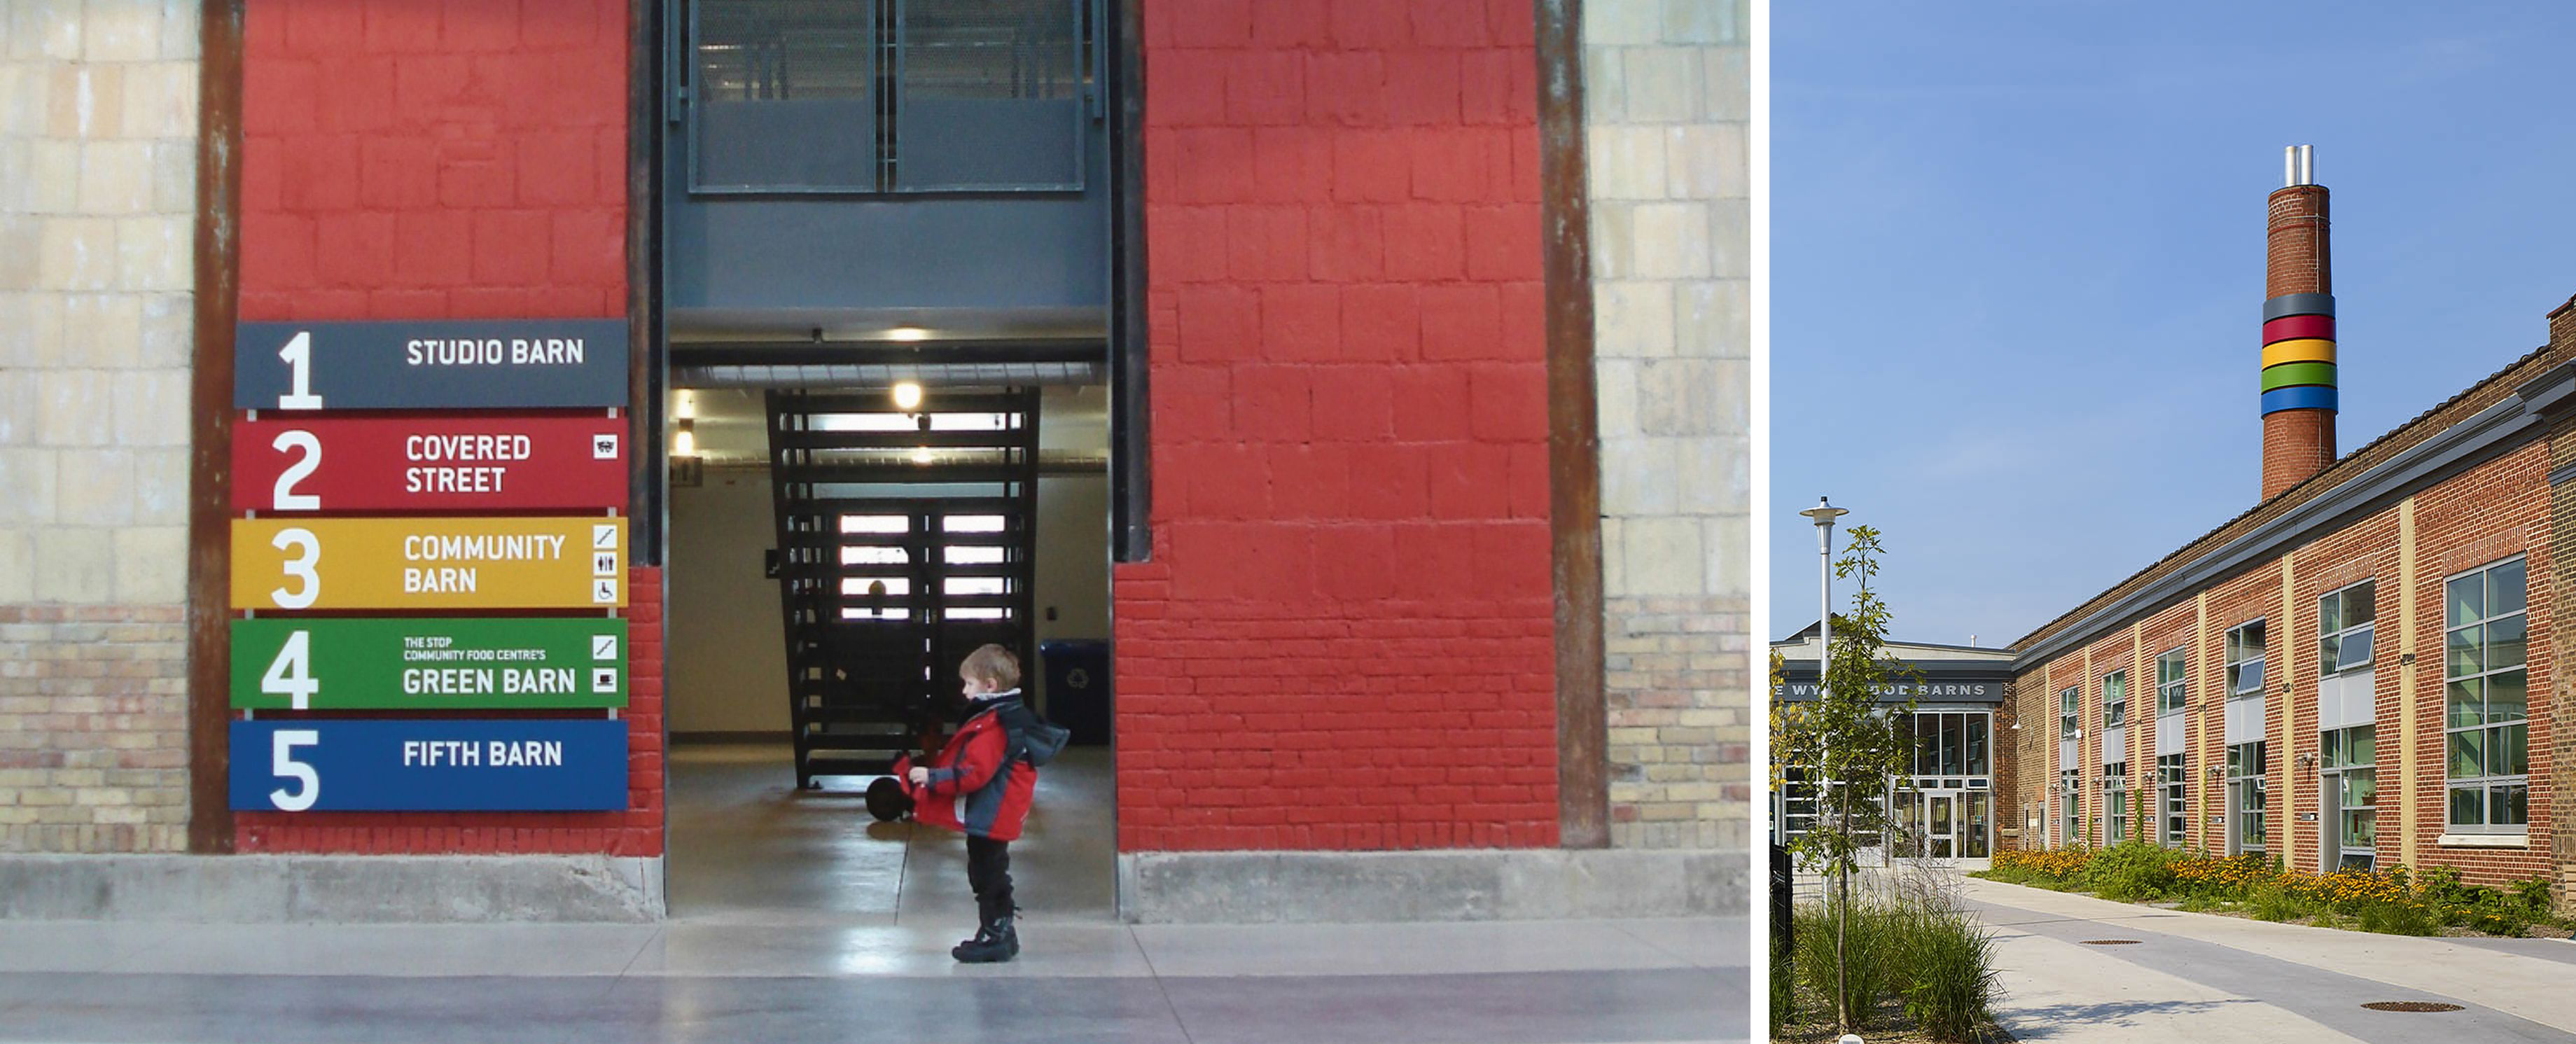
<point x="98" y="127"/>
<point x="1665" y="89"/>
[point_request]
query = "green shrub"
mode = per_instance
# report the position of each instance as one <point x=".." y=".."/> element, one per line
<point x="2534" y="893"/>
<point x="2404" y="917"/>
<point x="2130" y="871"/>
<point x="2274" y="901"/>
<point x="1950" y="974"/>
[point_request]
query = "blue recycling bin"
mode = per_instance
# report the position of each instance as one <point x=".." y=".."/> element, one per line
<point x="1077" y="688"/>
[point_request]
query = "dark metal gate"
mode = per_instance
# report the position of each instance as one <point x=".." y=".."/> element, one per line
<point x="906" y="538"/>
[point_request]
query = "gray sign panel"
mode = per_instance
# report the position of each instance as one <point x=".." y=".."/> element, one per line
<point x="430" y="364"/>
<point x="1934" y="690"/>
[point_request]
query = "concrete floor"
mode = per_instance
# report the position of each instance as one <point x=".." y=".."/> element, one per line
<point x="797" y="918"/>
<point x="2219" y="980"/>
<point x="747" y="847"/>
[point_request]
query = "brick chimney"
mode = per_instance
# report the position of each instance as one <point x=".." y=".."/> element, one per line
<point x="2298" y="331"/>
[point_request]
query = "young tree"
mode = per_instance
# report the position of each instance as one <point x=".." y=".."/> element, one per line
<point x="1850" y="747"/>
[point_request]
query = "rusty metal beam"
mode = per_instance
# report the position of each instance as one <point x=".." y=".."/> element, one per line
<point x="1574" y="435"/>
<point x="210" y="425"/>
<point x="644" y="65"/>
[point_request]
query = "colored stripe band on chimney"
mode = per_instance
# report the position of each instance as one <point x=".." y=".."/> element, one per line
<point x="2310" y="350"/>
<point x="2298" y="304"/>
<point x="2298" y="327"/>
<point x="2303" y="397"/>
<point x="2289" y="375"/>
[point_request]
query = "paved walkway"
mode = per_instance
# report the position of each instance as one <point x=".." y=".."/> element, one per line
<point x="2218" y="980"/>
<point x="1594" y="981"/>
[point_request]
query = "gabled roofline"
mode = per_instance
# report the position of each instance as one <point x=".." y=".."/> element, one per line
<point x="2357" y="489"/>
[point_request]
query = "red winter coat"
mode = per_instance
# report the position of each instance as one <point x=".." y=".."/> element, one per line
<point x="979" y="784"/>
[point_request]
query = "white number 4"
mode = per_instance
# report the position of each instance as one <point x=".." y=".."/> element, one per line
<point x="282" y="744"/>
<point x="291" y="674"/>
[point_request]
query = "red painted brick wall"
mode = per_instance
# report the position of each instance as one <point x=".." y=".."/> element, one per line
<point x="408" y="160"/>
<point x="1345" y="639"/>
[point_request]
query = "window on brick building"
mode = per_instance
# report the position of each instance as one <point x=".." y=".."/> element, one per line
<point x="2070" y="807"/>
<point x="2169" y="683"/>
<point x="867" y="96"/>
<point x="2245" y="660"/>
<point x="2115" y="699"/>
<point x="2115" y="802"/>
<point x="2070" y="712"/>
<point x="2344" y="620"/>
<point x="2486" y="699"/>
<point x="2172" y="781"/>
<point x="2247" y="797"/>
<point x="2350" y="771"/>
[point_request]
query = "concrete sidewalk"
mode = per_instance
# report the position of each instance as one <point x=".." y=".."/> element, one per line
<point x="1557" y="981"/>
<point x="2216" y="980"/>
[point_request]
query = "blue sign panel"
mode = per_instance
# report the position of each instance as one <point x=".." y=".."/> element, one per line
<point x="441" y="765"/>
<point x="463" y="364"/>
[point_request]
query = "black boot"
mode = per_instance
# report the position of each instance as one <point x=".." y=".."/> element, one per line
<point x="997" y="941"/>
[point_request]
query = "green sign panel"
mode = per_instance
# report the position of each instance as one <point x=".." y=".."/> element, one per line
<point x="410" y="664"/>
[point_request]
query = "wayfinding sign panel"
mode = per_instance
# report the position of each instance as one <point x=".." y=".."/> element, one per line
<point x="291" y="463"/>
<point x="429" y="563"/>
<point x="442" y="364"/>
<point x="428" y="765"/>
<point x="428" y="664"/>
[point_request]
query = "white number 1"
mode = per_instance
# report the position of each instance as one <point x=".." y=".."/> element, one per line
<point x="298" y="354"/>
<point x="282" y="744"/>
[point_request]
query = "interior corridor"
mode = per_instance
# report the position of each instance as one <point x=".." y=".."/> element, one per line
<point x="747" y="847"/>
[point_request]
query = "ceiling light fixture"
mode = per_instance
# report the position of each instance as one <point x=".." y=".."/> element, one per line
<point x="907" y="333"/>
<point x="907" y="396"/>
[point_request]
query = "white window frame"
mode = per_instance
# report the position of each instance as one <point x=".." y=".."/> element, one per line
<point x="2260" y="785"/>
<point x="2329" y="743"/>
<point x="2173" y="795"/>
<point x="2070" y="712"/>
<point x="2489" y="784"/>
<point x="2238" y="663"/>
<point x="2115" y="708"/>
<point x="2336" y="632"/>
<point x="2172" y="689"/>
<point x="2115" y="802"/>
<point x="2070" y="804"/>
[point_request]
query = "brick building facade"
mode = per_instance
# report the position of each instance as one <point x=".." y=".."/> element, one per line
<point x="1358" y="318"/>
<point x="2338" y="676"/>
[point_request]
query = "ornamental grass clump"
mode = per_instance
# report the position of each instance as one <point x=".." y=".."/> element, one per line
<point x="1949" y="974"/>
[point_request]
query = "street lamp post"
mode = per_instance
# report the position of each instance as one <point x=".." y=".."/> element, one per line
<point x="1824" y="514"/>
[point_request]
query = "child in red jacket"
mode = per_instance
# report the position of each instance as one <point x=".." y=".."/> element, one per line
<point x="981" y="785"/>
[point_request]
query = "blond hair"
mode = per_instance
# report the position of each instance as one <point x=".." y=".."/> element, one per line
<point x="994" y="664"/>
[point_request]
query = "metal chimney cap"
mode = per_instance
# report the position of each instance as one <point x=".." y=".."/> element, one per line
<point x="2298" y="165"/>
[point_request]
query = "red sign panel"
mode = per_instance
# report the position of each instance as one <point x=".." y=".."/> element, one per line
<point x="466" y="463"/>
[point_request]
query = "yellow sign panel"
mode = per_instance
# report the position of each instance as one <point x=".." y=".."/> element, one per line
<point x="429" y="563"/>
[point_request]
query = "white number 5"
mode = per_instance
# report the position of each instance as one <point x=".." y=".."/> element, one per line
<point x="308" y="551"/>
<point x="282" y="744"/>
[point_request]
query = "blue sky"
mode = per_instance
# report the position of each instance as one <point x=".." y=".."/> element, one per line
<point x="2017" y="265"/>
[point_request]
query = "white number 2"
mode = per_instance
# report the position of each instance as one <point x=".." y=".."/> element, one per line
<point x="291" y="674"/>
<point x="284" y="497"/>
<point x="282" y="744"/>
<point x="308" y="551"/>
<point x="298" y="354"/>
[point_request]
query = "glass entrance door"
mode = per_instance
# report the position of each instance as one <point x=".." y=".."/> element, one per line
<point x="1940" y="828"/>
